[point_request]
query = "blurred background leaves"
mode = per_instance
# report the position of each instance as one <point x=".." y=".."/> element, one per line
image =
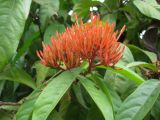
<point x="24" y="24"/>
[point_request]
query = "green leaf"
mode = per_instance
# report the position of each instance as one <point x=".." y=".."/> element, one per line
<point x="47" y="9"/>
<point x="127" y="73"/>
<point x="156" y="109"/>
<point x="111" y="5"/>
<point x="115" y="81"/>
<point x="2" y="83"/>
<point x="84" y="65"/>
<point x="51" y="31"/>
<point x="55" y="116"/>
<point x="99" y="97"/>
<point x="78" y="93"/>
<point x="13" y="14"/>
<point x="139" y="54"/>
<point x="5" y="115"/>
<point x="151" y="55"/>
<point x="26" y="109"/>
<point x="41" y="72"/>
<point x="16" y="74"/>
<point x="75" y="112"/>
<point x="127" y="57"/>
<point x="115" y="100"/>
<point x="52" y="94"/>
<point x="25" y="46"/>
<point x="143" y="64"/>
<point x="140" y="102"/>
<point x="64" y="104"/>
<point x="111" y="18"/>
<point x="82" y="7"/>
<point x="149" y="8"/>
<point x="94" y="113"/>
<point x="102" y="86"/>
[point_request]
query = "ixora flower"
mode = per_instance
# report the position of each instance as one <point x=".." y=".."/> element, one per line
<point x="94" y="41"/>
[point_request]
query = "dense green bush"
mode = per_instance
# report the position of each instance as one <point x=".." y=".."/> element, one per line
<point x="29" y="90"/>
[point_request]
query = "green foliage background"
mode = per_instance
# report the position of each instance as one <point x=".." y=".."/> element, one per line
<point x="31" y="91"/>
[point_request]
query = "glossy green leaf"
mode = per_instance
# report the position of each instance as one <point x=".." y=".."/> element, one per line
<point x="52" y="94"/>
<point x="131" y="75"/>
<point x="26" y="109"/>
<point x="94" y="113"/>
<point x="115" y="81"/>
<point x="47" y="9"/>
<point x="84" y="65"/>
<point x="53" y="5"/>
<point x="149" y="8"/>
<point x="127" y="57"/>
<point x="140" y="102"/>
<point x="51" y="30"/>
<point x="151" y="55"/>
<point x="127" y="73"/>
<point x="115" y="100"/>
<point x="111" y="5"/>
<point x="65" y="103"/>
<point x="102" y="86"/>
<point x="5" y="116"/>
<point x="75" y="112"/>
<point x="13" y="14"/>
<point x="143" y="64"/>
<point x="99" y="97"/>
<point x="82" y="7"/>
<point x="111" y="18"/>
<point x="18" y="75"/>
<point x="55" y="116"/>
<point x="156" y="109"/>
<point x="41" y="72"/>
<point x="79" y="95"/>
<point x="26" y="46"/>
<point x="141" y="55"/>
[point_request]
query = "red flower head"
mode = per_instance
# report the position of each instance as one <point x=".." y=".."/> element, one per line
<point x="90" y="41"/>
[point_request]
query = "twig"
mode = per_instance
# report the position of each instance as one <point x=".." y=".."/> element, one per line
<point x="55" y="75"/>
<point x="58" y="73"/>
<point x="9" y="103"/>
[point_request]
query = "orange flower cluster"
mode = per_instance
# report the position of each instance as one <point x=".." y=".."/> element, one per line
<point x="91" y="41"/>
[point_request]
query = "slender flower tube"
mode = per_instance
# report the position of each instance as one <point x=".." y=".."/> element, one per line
<point x="91" y="41"/>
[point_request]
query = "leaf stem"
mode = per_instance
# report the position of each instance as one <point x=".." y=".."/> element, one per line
<point x="9" y="103"/>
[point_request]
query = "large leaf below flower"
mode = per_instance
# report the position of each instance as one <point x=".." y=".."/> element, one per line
<point x="13" y="14"/>
<point x="127" y="73"/>
<point x="99" y="97"/>
<point x="156" y="109"/>
<point x="52" y="93"/>
<point x="138" y="104"/>
<point x="25" y="110"/>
